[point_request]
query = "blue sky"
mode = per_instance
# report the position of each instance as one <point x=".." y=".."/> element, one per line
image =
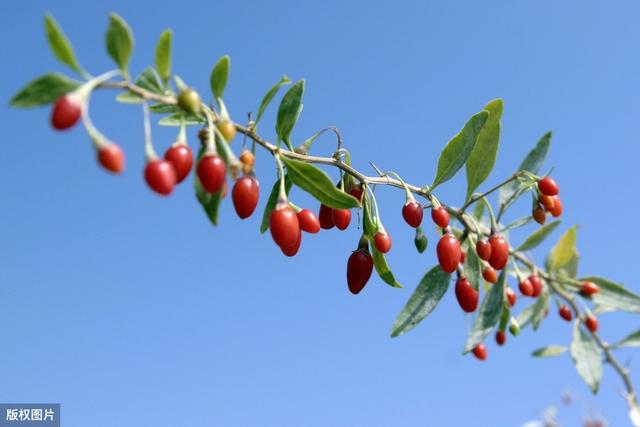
<point x="130" y="309"/>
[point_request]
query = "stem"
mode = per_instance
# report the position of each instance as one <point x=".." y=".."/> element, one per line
<point x="149" y="152"/>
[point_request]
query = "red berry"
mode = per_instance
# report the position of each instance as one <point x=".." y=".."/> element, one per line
<point x="412" y="213"/>
<point x="548" y="186"/>
<point x="499" y="252"/>
<point x="536" y="285"/>
<point x="526" y="288"/>
<point x="342" y="218"/>
<point x="359" y="269"/>
<point x="293" y="249"/>
<point x="463" y="257"/>
<point x="245" y="195"/>
<point x="180" y="157"/>
<point x="592" y="323"/>
<point x="489" y="274"/>
<point x="66" y="112"/>
<point x="557" y="207"/>
<point x="440" y="216"/>
<point x="382" y="242"/>
<point x="483" y="249"/>
<point x="160" y="176"/>
<point x="449" y="252"/>
<point x="284" y="226"/>
<point x="547" y="201"/>
<point x="588" y="289"/>
<point x="357" y="191"/>
<point x="212" y="172"/>
<point x="565" y="313"/>
<point x="511" y="297"/>
<point x="539" y="215"/>
<point x="308" y="221"/>
<point x="326" y="217"/>
<point x="480" y="352"/>
<point x="466" y="295"/>
<point x="501" y="337"/>
<point x="111" y="157"/>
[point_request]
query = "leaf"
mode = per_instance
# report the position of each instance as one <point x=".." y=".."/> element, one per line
<point x="317" y="183"/>
<point x="273" y="200"/>
<point x="532" y="163"/>
<point x="586" y="357"/>
<point x="43" y="90"/>
<point x="478" y="210"/>
<point x="538" y="236"/>
<point x="220" y="76"/>
<point x="458" y="149"/>
<point x="128" y="97"/>
<point x="289" y="110"/>
<point x="423" y="301"/>
<point x="284" y="80"/>
<point x="178" y="118"/>
<point x="614" y="295"/>
<point x="540" y="309"/>
<point x="163" y="54"/>
<point x="420" y="240"/>
<point x="526" y="315"/>
<point x="549" y="351"/>
<point x="631" y="340"/>
<point x="119" y="41"/>
<point x="571" y="269"/>
<point x="563" y="251"/>
<point x="164" y="108"/>
<point x="483" y="156"/>
<point x="473" y="268"/>
<point x="517" y="223"/>
<point x="60" y="45"/>
<point x="150" y="80"/>
<point x="489" y="314"/>
<point x="382" y="267"/>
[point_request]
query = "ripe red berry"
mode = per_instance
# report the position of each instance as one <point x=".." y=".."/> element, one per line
<point x="440" y="216"/>
<point x="526" y="288"/>
<point x="160" y="176"/>
<point x="245" y="195"/>
<point x="66" y="112"/>
<point x="466" y="295"/>
<point x="293" y="249"/>
<point x="489" y="274"/>
<point x="342" y="218"/>
<point x="483" y="249"/>
<point x="326" y="217"/>
<point x="536" y="284"/>
<point x="499" y="252"/>
<point x="111" y="157"/>
<point x="359" y="269"/>
<point x="511" y="297"/>
<point x="588" y="289"/>
<point x="592" y="323"/>
<point x="539" y="215"/>
<point x="412" y="213"/>
<point x="501" y="337"/>
<point x="181" y="158"/>
<point x="211" y="172"/>
<point x="308" y="221"/>
<point x="557" y="207"/>
<point x="547" y="201"/>
<point x="284" y="226"/>
<point x="357" y="191"/>
<point x="480" y="352"/>
<point x="548" y="186"/>
<point x="382" y="242"/>
<point x="449" y="252"/>
<point x="565" y="313"/>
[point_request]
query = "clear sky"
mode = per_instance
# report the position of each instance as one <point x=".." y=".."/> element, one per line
<point x="131" y="310"/>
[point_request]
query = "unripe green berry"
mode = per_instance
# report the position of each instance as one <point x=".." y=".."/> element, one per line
<point x="189" y="100"/>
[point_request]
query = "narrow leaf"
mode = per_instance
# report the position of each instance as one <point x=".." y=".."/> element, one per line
<point x="457" y="150"/>
<point x="163" y="54"/>
<point x="284" y="80"/>
<point x="538" y="236"/>
<point x="540" y="309"/>
<point x="382" y="267"/>
<point x="220" y="76"/>
<point x="483" y="156"/>
<point x="614" y="295"/>
<point x="289" y="110"/>
<point x="586" y="357"/>
<point x="272" y="201"/>
<point x="563" y="251"/>
<point x="489" y="314"/>
<point x="43" y="90"/>
<point x="420" y="240"/>
<point x="178" y="118"/>
<point x="517" y="223"/>
<point x="473" y="268"/>
<point x="119" y="41"/>
<point x="423" y="301"/>
<point x="150" y="80"/>
<point x="60" y="45"/>
<point x="549" y="351"/>
<point x="631" y="340"/>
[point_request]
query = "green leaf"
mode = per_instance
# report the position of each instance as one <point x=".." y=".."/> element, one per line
<point x="289" y="110"/>
<point x="483" y="156"/>
<point x="458" y="149"/>
<point x="564" y="250"/>
<point x="614" y="295"/>
<point x="549" y="351"/>
<point x="571" y="269"/>
<point x="489" y="314"/>
<point x="284" y="80"/>
<point x="517" y="223"/>
<point x="538" y="236"/>
<point x="317" y="183"/>
<point x="150" y="80"/>
<point x="60" y="45"/>
<point x="128" y="97"/>
<point x="220" y="76"/>
<point x="524" y="317"/>
<point x="540" y="309"/>
<point x="210" y="202"/>
<point x="631" y="340"/>
<point x="382" y="267"/>
<point x="178" y="118"/>
<point x="43" y="90"/>
<point x="586" y="356"/>
<point x="423" y="301"/>
<point x="163" y="54"/>
<point x="165" y="108"/>
<point x="420" y="240"/>
<point x="473" y="268"/>
<point x="532" y="163"/>
<point x="119" y="41"/>
<point x="273" y="200"/>
<point x="478" y="210"/>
